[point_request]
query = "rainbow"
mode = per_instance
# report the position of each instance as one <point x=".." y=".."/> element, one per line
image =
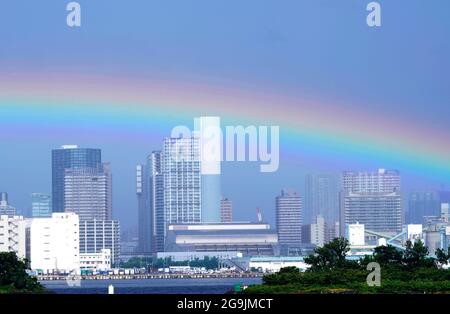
<point x="53" y="104"/>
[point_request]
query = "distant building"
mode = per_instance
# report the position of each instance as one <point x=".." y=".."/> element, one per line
<point x="226" y="210"/>
<point x="41" y="205"/>
<point x="94" y="262"/>
<point x="12" y="235"/>
<point x="54" y="243"/>
<point x="144" y="213"/>
<point x="5" y="207"/>
<point x="88" y="192"/>
<point x="150" y="193"/>
<point x="372" y="199"/>
<point x="315" y="233"/>
<point x="289" y="219"/>
<point x="355" y="234"/>
<point x="421" y="204"/>
<point x="156" y="200"/>
<point x="248" y="238"/>
<point x="96" y="235"/>
<point x="70" y="156"/>
<point x="321" y="198"/>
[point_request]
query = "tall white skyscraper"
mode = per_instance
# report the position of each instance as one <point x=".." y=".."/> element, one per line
<point x="182" y="180"/>
<point x="191" y="174"/>
<point x="372" y="199"/>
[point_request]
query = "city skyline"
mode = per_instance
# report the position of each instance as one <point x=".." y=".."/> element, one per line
<point x="346" y="96"/>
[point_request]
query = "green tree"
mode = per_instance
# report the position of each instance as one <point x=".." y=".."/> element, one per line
<point x="387" y="255"/>
<point x="415" y="255"/>
<point x="13" y="273"/>
<point x="289" y="270"/>
<point x="331" y="255"/>
<point x="442" y="257"/>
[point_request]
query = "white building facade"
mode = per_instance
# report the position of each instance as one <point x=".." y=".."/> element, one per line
<point x="12" y="235"/>
<point x="100" y="261"/>
<point x="54" y="243"/>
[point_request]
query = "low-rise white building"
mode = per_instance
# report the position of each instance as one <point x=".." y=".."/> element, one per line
<point x="54" y="243"/>
<point x="274" y="264"/>
<point x="12" y="235"/>
<point x="100" y="261"/>
<point x="355" y="234"/>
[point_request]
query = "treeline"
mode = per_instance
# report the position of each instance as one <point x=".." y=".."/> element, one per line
<point x="155" y="263"/>
<point x="14" y="277"/>
<point x="400" y="271"/>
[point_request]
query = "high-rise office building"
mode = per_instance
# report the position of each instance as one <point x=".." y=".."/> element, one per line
<point x="88" y="192"/>
<point x="321" y="198"/>
<point x="5" y="207"/>
<point x="289" y="219"/>
<point x="156" y="188"/>
<point x="150" y="193"/>
<point x="70" y="156"/>
<point x="96" y="235"/>
<point x="372" y="199"/>
<point x="226" y="210"/>
<point x="144" y="223"/>
<point x="182" y="181"/>
<point x="41" y="205"/>
<point x="421" y="204"/>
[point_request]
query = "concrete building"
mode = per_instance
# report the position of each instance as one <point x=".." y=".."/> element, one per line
<point x="12" y="235"/>
<point x="70" y="156"/>
<point x="315" y="233"/>
<point x="226" y="210"/>
<point x="95" y="262"/>
<point x="96" y="235"/>
<point x="321" y="198"/>
<point x="54" y="243"/>
<point x="372" y="199"/>
<point x="248" y="238"/>
<point x="289" y="219"/>
<point x="5" y="207"/>
<point x="355" y="234"/>
<point x="41" y="205"/>
<point x="88" y="192"/>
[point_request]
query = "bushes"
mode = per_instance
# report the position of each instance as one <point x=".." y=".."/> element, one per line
<point x="408" y="271"/>
<point x="13" y="275"/>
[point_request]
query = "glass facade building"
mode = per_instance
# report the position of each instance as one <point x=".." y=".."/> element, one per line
<point x="70" y="156"/>
<point x="41" y="205"/>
